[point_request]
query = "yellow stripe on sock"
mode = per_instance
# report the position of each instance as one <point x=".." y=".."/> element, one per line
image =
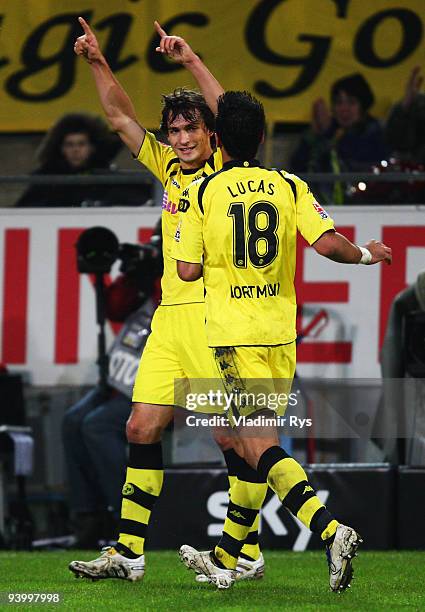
<point x="330" y="530"/>
<point x="284" y="475"/>
<point x="134" y="543"/>
<point x="149" y="481"/>
<point x="249" y="494"/>
<point x="255" y="524"/>
<point x="227" y="560"/>
<point x="308" y="509"/>
<point x="232" y="480"/>
<point x="134" y="512"/>
<point x="235" y="530"/>
<point x="253" y="550"/>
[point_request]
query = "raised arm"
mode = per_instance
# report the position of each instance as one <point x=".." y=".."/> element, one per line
<point x="118" y="108"/>
<point x="338" y="248"/>
<point x="177" y="49"/>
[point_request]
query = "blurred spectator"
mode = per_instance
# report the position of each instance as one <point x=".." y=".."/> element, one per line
<point x="405" y="135"/>
<point x="80" y="144"/>
<point x="345" y="139"/>
<point x="405" y="129"/>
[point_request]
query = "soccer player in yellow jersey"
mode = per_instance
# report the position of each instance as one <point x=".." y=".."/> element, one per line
<point x="240" y="234"/>
<point x="177" y="347"/>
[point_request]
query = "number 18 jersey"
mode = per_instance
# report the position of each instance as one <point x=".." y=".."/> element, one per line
<point x="242" y="224"/>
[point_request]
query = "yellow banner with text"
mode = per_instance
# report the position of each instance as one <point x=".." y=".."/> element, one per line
<point x="287" y="52"/>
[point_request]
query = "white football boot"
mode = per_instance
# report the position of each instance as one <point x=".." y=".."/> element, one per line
<point x="340" y="555"/>
<point x="202" y="563"/>
<point x="110" y="564"/>
<point x="245" y="570"/>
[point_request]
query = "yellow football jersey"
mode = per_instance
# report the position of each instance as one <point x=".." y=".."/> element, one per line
<point x="242" y="223"/>
<point x="161" y="160"/>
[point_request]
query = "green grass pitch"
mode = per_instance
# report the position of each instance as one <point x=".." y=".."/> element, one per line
<point x="293" y="581"/>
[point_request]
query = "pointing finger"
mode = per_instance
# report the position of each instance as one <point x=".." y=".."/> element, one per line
<point x="159" y="30"/>
<point x="85" y="26"/>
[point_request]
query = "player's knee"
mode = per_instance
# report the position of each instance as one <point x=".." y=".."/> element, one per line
<point x="223" y="441"/>
<point x="226" y="442"/>
<point x="141" y="432"/>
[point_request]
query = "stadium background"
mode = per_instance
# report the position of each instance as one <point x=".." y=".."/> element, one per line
<point x="289" y="53"/>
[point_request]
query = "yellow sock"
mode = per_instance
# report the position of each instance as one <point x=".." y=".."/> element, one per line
<point x="246" y="500"/>
<point x="142" y="487"/>
<point x="290" y="483"/>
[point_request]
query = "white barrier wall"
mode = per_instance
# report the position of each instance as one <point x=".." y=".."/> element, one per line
<point x="48" y="327"/>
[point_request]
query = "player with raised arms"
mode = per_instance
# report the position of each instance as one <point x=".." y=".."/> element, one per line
<point x="240" y="234"/>
<point x="177" y="347"/>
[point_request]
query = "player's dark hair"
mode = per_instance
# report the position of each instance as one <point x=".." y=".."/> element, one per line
<point x="187" y="103"/>
<point x="240" y="124"/>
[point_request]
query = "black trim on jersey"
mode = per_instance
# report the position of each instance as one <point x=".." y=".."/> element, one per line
<point x="173" y="173"/>
<point x="290" y="182"/>
<point x="178" y="304"/>
<point x="210" y="161"/>
<point x="241" y="163"/>
<point x="191" y="170"/>
<point x="251" y="345"/>
<point x="234" y="163"/>
<point x="204" y="186"/>
<point x="175" y="160"/>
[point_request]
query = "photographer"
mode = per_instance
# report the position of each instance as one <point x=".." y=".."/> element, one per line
<point x="93" y="430"/>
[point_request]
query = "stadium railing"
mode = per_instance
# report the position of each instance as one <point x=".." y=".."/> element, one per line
<point x="358" y="180"/>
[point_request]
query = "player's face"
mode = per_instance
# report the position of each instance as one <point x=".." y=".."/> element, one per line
<point x="77" y="149"/>
<point x="347" y="110"/>
<point x="190" y="141"/>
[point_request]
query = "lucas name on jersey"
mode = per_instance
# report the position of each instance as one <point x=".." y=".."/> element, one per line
<point x="253" y="186"/>
<point x="254" y="291"/>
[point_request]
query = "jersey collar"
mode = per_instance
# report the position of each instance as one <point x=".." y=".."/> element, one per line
<point x="190" y="170"/>
<point x="241" y="163"/>
<point x="209" y="161"/>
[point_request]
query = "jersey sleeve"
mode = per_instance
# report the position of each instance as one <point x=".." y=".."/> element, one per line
<point x="156" y="156"/>
<point x="312" y="219"/>
<point x="188" y="240"/>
